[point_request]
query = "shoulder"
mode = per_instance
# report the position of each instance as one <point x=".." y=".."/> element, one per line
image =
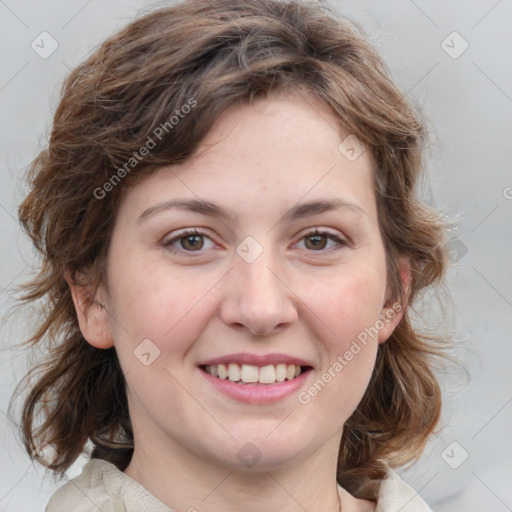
<point x="396" y="495"/>
<point x="86" y="492"/>
<point x="102" y="486"/>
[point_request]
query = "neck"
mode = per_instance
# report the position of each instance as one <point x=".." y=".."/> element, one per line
<point x="190" y="482"/>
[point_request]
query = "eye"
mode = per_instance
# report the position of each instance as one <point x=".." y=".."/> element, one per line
<point x="189" y="240"/>
<point x="318" y="240"/>
<point x="192" y="240"/>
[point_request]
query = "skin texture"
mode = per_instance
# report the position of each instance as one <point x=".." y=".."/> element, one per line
<point x="257" y="162"/>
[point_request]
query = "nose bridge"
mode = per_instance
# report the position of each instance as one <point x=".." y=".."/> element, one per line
<point x="257" y="296"/>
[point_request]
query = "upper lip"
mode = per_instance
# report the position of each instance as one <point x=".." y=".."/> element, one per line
<point x="256" y="360"/>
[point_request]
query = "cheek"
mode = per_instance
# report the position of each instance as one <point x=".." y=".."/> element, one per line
<point x="348" y="302"/>
<point x="345" y="314"/>
<point x="166" y="307"/>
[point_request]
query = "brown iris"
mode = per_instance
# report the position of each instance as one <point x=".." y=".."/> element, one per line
<point x="317" y="241"/>
<point x="192" y="242"/>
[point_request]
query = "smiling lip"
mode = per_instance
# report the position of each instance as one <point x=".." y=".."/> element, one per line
<point x="257" y="393"/>
<point x="256" y="360"/>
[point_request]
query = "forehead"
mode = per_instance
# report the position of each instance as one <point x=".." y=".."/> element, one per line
<point x="295" y="123"/>
<point x="275" y="151"/>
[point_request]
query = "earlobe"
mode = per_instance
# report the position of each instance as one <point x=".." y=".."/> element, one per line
<point x="392" y="313"/>
<point x="91" y="314"/>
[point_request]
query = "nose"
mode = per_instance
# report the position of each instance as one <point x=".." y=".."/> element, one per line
<point x="258" y="298"/>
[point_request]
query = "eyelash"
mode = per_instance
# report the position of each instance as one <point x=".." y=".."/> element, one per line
<point x="193" y="232"/>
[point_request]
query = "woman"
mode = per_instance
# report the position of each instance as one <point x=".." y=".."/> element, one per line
<point x="230" y="242"/>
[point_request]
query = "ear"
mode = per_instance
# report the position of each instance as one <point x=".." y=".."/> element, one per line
<point x="393" y="311"/>
<point x="91" y="313"/>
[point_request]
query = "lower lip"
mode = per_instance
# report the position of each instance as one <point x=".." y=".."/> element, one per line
<point x="257" y="393"/>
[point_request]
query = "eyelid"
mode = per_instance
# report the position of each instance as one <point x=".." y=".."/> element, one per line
<point x="167" y="241"/>
<point x="341" y="240"/>
<point x="173" y="237"/>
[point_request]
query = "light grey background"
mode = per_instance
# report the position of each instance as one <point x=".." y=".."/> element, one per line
<point x="468" y="100"/>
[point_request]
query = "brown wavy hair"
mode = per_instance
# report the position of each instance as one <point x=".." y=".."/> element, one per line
<point x="218" y="54"/>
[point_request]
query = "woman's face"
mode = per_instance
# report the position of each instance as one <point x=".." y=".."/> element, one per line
<point x="262" y="253"/>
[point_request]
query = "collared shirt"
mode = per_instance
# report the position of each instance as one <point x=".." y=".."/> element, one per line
<point x="103" y="487"/>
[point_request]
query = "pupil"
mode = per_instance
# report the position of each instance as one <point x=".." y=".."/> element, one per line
<point x="318" y="241"/>
<point x="194" y="242"/>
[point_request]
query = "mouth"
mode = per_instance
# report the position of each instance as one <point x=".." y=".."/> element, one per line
<point x="247" y="374"/>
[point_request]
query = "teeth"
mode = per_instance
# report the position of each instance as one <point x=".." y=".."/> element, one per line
<point x="281" y="372"/>
<point x="251" y="374"/>
<point x="267" y="374"/>
<point x="233" y="372"/>
<point x="221" y="370"/>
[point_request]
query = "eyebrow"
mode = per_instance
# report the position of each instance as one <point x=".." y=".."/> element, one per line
<point x="212" y="210"/>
